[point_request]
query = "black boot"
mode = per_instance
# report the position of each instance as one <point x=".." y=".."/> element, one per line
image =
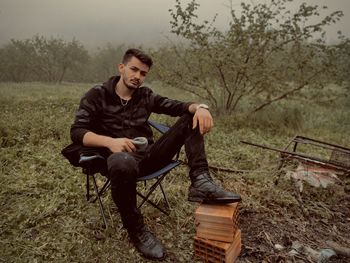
<point x="143" y="239"/>
<point x="146" y="243"/>
<point x="203" y="189"/>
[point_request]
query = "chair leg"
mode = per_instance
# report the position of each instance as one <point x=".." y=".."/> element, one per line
<point x="145" y="199"/>
<point x="151" y="190"/>
<point x="105" y="186"/>
<point x="99" y="201"/>
<point x="102" y="190"/>
<point x="87" y="188"/>
<point x="164" y="195"/>
<point x="280" y="165"/>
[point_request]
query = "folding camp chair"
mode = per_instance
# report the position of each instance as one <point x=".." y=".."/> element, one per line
<point x="91" y="164"/>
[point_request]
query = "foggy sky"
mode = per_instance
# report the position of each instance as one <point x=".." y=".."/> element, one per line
<point x="138" y="22"/>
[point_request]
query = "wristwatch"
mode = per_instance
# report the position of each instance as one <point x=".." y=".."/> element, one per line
<point x="203" y="106"/>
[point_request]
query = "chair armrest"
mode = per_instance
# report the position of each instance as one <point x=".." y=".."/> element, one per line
<point x="92" y="164"/>
<point x="85" y="159"/>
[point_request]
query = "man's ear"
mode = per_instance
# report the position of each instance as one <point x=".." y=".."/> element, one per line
<point x="121" y="67"/>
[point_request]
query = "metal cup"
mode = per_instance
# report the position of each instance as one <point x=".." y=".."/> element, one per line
<point x="140" y="143"/>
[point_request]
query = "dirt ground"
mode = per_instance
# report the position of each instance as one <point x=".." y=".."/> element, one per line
<point x="325" y="216"/>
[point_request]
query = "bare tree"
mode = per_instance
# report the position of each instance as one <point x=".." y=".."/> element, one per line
<point x="55" y="56"/>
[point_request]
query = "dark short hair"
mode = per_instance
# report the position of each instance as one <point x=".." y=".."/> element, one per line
<point x="133" y="52"/>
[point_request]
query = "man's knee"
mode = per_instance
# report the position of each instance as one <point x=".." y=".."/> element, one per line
<point x="187" y="117"/>
<point x="184" y="122"/>
<point x="122" y="164"/>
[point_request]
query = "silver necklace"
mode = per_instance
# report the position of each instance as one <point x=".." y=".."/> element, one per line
<point x="122" y="102"/>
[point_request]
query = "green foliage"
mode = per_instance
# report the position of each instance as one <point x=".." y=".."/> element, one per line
<point x="17" y="61"/>
<point x="104" y="62"/>
<point x="266" y="54"/>
<point x="342" y="58"/>
<point x="55" y="60"/>
<point x="40" y="59"/>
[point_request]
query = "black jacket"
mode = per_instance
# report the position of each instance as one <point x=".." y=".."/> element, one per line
<point x="102" y="112"/>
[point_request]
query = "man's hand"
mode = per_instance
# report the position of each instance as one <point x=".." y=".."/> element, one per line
<point x="203" y="119"/>
<point x="115" y="145"/>
<point x="121" y="145"/>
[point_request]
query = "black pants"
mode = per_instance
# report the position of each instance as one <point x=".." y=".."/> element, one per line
<point x="125" y="167"/>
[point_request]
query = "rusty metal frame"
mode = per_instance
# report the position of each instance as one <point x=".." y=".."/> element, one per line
<point x="287" y="154"/>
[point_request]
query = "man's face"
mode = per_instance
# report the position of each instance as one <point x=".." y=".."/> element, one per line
<point x="133" y="73"/>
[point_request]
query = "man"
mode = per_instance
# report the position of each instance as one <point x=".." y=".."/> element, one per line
<point x="112" y="114"/>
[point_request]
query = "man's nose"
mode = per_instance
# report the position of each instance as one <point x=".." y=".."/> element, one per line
<point x="138" y="75"/>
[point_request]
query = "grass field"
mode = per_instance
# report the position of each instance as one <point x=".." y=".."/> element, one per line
<point x="45" y="218"/>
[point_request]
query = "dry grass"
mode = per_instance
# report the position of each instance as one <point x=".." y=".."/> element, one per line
<point x="45" y="218"/>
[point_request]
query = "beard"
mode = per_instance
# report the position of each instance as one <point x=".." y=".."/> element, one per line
<point x="130" y="85"/>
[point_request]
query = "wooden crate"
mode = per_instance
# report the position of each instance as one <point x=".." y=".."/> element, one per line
<point x="211" y="251"/>
<point x="217" y="221"/>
